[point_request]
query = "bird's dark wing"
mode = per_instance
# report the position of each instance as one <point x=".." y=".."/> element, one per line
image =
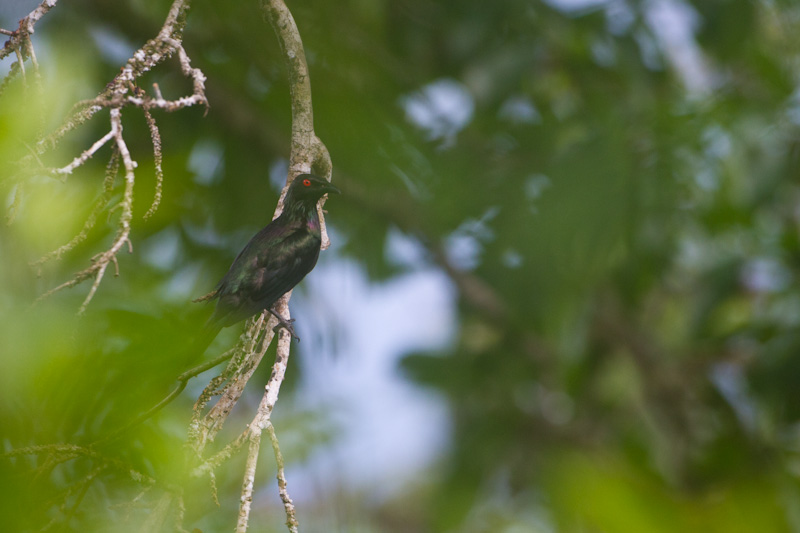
<point x="273" y="262"/>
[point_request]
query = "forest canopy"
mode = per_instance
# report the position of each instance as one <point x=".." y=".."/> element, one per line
<point x="561" y="292"/>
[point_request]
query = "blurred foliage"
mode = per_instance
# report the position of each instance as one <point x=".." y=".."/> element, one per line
<point x="618" y="210"/>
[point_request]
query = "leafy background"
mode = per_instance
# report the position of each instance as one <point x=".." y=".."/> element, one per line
<point x="562" y="294"/>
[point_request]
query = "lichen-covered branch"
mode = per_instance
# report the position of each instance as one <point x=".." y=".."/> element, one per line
<point x="19" y="42"/>
<point x="308" y="154"/>
<point x="246" y="500"/>
<point x="119" y="93"/>
<point x="108" y="186"/>
<point x="101" y="261"/>
<point x="26" y="28"/>
<point x="183" y="379"/>
<point x="260" y="422"/>
<point x="229" y="385"/>
<point x="155" y="137"/>
<point x="81" y="159"/>
<point x="288" y="504"/>
<point x="54" y="454"/>
<point x="66" y="452"/>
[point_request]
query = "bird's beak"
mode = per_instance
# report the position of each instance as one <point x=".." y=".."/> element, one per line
<point x="331" y="189"/>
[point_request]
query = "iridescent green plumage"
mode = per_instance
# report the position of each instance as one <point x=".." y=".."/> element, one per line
<point x="275" y="259"/>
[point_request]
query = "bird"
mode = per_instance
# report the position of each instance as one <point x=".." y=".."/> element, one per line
<point x="275" y="260"/>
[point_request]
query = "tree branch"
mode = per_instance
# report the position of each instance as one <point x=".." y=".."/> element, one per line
<point x="288" y="504"/>
<point x="19" y="43"/>
<point x="204" y="428"/>
<point x="307" y="149"/>
<point x="308" y="153"/>
<point x="255" y="429"/>
<point x="183" y="379"/>
<point x="102" y="260"/>
<point x="119" y="93"/>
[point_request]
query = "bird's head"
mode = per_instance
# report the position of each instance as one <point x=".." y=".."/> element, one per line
<point x="307" y="189"/>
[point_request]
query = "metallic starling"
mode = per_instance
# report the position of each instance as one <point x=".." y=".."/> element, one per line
<point x="274" y="261"/>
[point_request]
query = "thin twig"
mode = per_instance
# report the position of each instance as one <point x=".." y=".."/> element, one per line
<point x="155" y="137"/>
<point x="183" y="379"/>
<point x="26" y="27"/>
<point x="204" y="428"/>
<point x="19" y="42"/>
<point x="65" y="452"/>
<point x="119" y="93"/>
<point x="259" y="423"/>
<point x="288" y="504"/>
<point x="100" y="204"/>
<point x="81" y="488"/>
<point x="81" y="159"/>
<point x="21" y="63"/>
<point x="261" y="420"/>
<point x="246" y="500"/>
<point x="13" y="210"/>
<point x="215" y="461"/>
<point x="101" y="263"/>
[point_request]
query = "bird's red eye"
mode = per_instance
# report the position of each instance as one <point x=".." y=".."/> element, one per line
<point x="307" y="182"/>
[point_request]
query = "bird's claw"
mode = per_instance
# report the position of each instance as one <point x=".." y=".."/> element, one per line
<point x="288" y="327"/>
<point x="285" y="324"/>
